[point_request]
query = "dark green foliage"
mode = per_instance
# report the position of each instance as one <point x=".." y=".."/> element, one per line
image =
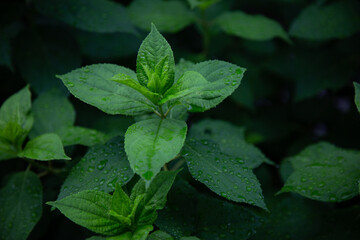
<point x="179" y="119"/>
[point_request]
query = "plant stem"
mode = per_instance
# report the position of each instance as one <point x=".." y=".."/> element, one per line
<point x="40" y="166"/>
<point x="178" y="164"/>
<point x="161" y="112"/>
<point x="165" y="167"/>
<point x="168" y="111"/>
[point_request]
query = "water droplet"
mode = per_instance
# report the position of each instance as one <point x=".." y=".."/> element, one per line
<point x="102" y="164"/>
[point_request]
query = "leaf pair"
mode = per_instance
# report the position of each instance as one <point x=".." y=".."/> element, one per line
<point x="119" y="215"/>
<point x="16" y="121"/>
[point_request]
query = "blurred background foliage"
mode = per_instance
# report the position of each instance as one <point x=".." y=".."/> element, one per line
<point x="301" y="58"/>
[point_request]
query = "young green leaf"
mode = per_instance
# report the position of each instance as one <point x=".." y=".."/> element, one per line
<point x="252" y="27"/>
<point x="44" y="147"/>
<point x="100" y="169"/>
<point x="325" y="172"/>
<point x="168" y="16"/>
<point x="120" y="202"/>
<point x="15" y="121"/>
<point x="20" y="205"/>
<point x="106" y="95"/>
<point x="90" y="209"/>
<point x="314" y="23"/>
<point x="357" y="95"/>
<point x="142" y="232"/>
<point x="154" y="197"/>
<point x="102" y="16"/>
<point x="155" y="64"/>
<point x="231" y="141"/>
<point x="223" y="79"/>
<point x="128" y="81"/>
<point x="190" y="83"/>
<point x="151" y="143"/>
<point x="223" y="174"/>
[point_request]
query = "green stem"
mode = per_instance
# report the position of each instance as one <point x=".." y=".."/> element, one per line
<point x="166" y="167"/>
<point x="178" y="164"/>
<point x="42" y="167"/>
<point x="161" y="112"/>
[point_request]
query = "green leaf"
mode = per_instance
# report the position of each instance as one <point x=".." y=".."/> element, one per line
<point x="41" y="54"/>
<point x="168" y="16"/>
<point x="61" y="121"/>
<point x="100" y="169"/>
<point x="339" y="19"/>
<point x="15" y="121"/>
<point x="90" y="209"/>
<point x="155" y="196"/>
<point x="91" y="15"/>
<point x="106" y="95"/>
<point x="223" y="79"/>
<point x="20" y="205"/>
<point x="152" y="199"/>
<point x="80" y="135"/>
<point x="357" y="95"/>
<point x="46" y="120"/>
<point x="223" y="174"/>
<point x="44" y="147"/>
<point x="325" y="172"/>
<point x="252" y="27"/>
<point x="160" y="235"/>
<point x="151" y="143"/>
<point x="230" y="140"/>
<point x="181" y="67"/>
<point x="189" y="84"/>
<point x="189" y="238"/>
<point x="120" y="202"/>
<point x="142" y="232"/>
<point x="128" y="81"/>
<point x="155" y="62"/>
